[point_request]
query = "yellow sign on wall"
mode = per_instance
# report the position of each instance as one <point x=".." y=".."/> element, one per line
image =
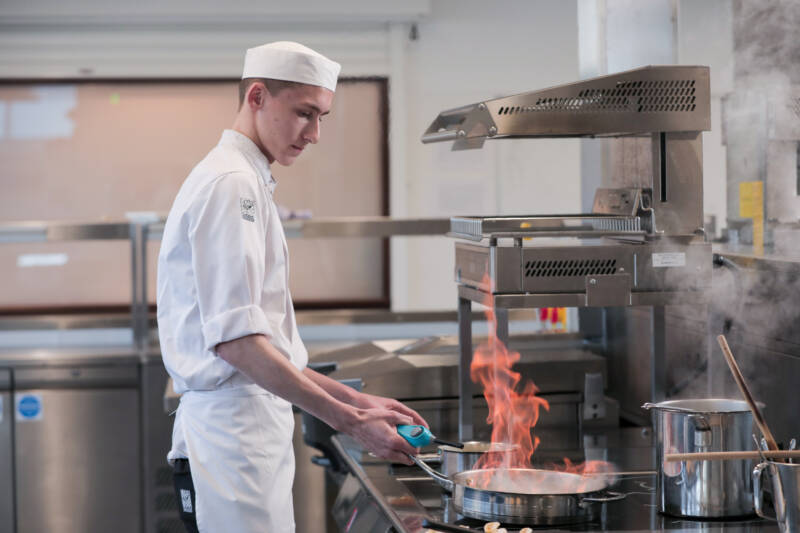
<point x="751" y="199"/>
<point x="751" y="205"/>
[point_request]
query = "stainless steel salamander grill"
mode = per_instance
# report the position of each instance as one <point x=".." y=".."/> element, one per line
<point x="639" y="245"/>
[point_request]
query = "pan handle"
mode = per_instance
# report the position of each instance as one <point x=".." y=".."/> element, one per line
<point x="440" y="479"/>
<point x="439" y="526"/>
<point x="609" y="497"/>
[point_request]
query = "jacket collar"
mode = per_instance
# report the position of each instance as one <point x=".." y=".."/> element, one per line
<point x="255" y="156"/>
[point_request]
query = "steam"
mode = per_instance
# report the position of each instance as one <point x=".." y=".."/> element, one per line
<point x="765" y="41"/>
<point x="761" y="131"/>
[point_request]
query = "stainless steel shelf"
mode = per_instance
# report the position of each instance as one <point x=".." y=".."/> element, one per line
<point x="316" y="228"/>
<point x="304" y="318"/>
<point x="141" y="228"/>
<point x="44" y="231"/>
<point x="364" y="227"/>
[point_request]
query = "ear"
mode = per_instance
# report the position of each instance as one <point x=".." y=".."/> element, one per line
<point x="256" y="95"/>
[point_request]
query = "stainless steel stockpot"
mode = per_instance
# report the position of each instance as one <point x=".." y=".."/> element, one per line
<point x="704" y="489"/>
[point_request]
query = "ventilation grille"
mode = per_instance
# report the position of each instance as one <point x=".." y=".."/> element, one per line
<point x="630" y="96"/>
<point x="569" y="268"/>
<point x="796" y="106"/>
<point x="618" y="224"/>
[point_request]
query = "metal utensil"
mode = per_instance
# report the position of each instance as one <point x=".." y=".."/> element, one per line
<point x="760" y="449"/>
<point x="529" y="499"/>
<point x="737" y="376"/>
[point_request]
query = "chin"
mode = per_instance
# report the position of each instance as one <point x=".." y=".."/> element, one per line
<point x="287" y="161"/>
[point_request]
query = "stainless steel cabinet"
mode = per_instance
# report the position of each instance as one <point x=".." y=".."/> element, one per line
<point x="77" y="443"/>
<point x="6" y="454"/>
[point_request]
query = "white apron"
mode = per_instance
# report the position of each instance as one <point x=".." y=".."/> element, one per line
<point x="239" y="444"/>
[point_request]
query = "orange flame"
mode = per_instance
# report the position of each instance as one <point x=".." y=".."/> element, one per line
<point x="514" y="410"/>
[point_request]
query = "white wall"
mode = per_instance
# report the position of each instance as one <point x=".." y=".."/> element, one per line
<point x="465" y="51"/>
<point x="189" y="38"/>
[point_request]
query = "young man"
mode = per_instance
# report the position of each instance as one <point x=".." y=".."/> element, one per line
<point x="226" y="321"/>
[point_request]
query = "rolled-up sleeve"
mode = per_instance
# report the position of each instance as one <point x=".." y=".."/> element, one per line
<point x="227" y="230"/>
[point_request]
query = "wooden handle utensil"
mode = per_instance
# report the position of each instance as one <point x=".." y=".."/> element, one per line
<point x="724" y="456"/>
<point x="737" y="376"/>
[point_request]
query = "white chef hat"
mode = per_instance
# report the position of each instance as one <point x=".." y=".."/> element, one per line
<point x="289" y="61"/>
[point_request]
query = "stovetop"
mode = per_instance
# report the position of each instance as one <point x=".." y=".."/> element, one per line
<point x="638" y="511"/>
<point x="407" y="497"/>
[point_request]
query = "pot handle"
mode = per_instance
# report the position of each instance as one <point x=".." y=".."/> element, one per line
<point x="758" y="495"/>
<point x="610" y="497"/>
<point x="440" y="479"/>
<point x="702" y="432"/>
<point x="758" y="498"/>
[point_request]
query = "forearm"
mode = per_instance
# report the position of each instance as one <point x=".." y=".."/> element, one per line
<point x="375" y="426"/>
<point x="341" y="392"/>
<point x="259" y="360"/>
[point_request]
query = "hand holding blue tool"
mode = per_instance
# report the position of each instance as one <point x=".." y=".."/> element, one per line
<point x="419" y="436"/>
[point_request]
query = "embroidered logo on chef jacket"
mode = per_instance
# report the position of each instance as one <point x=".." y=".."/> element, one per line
<point x="186" y="501"/>
<point x="248" y="209"/>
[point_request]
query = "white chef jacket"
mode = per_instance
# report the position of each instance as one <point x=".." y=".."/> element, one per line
<point x="223" y="268"/>
<point x="223" y="273"/>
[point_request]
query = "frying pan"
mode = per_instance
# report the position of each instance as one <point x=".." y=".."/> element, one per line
<point x="525" y="495"/>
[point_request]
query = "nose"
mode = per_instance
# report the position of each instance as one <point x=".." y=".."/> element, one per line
<point x="311" y="133"/>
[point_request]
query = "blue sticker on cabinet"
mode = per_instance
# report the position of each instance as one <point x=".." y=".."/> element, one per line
<point x="29" y="407"/>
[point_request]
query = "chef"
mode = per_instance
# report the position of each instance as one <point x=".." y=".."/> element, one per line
<point x="226" y="321"/>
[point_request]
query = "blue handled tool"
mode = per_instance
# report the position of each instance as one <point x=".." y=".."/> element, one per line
<point x="419" y="436"/>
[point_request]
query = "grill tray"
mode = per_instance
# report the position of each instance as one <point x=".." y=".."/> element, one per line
<point x="585" y="226"/>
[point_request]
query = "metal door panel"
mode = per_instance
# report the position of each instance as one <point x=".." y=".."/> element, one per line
<point x="71" y="377"/>
<point x="160" y="505"/>
<point x="6" y="455"/>
<point x="78" y="466"/>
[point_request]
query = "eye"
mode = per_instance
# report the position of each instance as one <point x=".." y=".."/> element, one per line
<point x="304" y="114"/>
